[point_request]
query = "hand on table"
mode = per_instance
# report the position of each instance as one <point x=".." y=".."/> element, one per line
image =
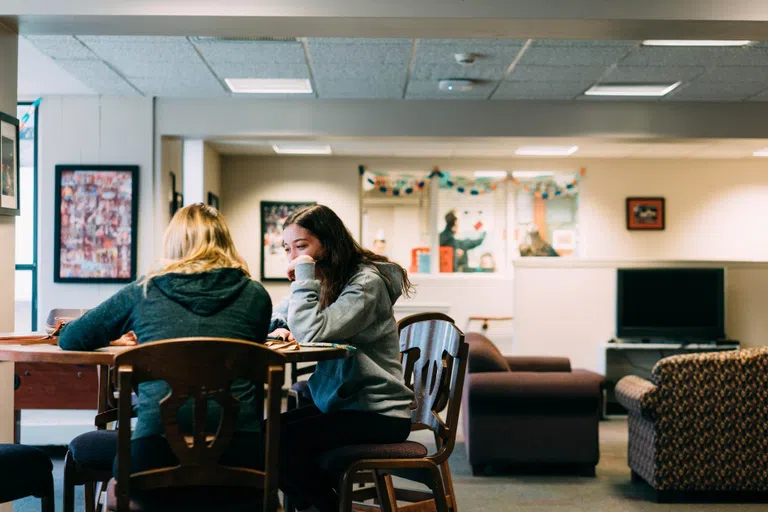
<point x="292" y="265"/>
<point x="283" y="334"/>
<point x="128" y="339"/>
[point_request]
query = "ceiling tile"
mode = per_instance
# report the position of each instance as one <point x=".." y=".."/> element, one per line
<point x="435" y="59"/>
<point x="737" y="74"/>
<point x="360" y="88"/>
<point x="61" y="47"/>
<point x="696" y="56"/>
<point x="372" y="59"/>
<point x="98" y="76"/>
<point x="716" y="91"/>
<point x="652" y="74"/>
<point x="117" y="50"/>
<point x="556" y="73"/>
<point x="428" y="90"/>
<point x="262" y="69"/>
<point x="542" y="53"/>
<point x="540" y="90"/>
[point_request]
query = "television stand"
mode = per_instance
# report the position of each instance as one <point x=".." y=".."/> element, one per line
<point x="638" y="358"/>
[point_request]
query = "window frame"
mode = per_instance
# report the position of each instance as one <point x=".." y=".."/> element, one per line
<point x="32" y="267"/>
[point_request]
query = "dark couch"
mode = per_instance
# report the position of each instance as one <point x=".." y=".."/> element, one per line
<point x="529" y="414"/>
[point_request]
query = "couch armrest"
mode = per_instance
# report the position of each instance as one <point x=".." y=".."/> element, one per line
<point x="538" y="364"/>
<point x="637" y="395"/>
<point x="509" y="392"/>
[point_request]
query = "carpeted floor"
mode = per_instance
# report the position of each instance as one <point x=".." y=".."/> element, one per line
<point x="609" y="491"/>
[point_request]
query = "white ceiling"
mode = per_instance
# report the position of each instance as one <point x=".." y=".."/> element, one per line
<point x="39" y="75"/>
<point x="372" y="69"/>
<point x="505" y="147"/>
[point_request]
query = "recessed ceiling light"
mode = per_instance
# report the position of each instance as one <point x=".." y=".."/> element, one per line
<point x="532" y="174"/>
<point x="302" y="149"/>
<point x="631" y="89"/>
<point x="761" y="152"/>
<point x="455" y="85"/>
<point x="490" y="174"/>
<point x="693" y="42"/>
<point x="546" y="150"/>
<point x="269" y="85"/>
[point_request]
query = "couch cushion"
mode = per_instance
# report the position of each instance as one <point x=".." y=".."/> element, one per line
<point x="483" y="355"/>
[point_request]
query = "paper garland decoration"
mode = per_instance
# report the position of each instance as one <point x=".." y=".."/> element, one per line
<point x="407" y="184"/>
<point x="25" y="118"/>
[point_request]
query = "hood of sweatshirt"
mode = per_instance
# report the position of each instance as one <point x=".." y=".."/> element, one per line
<point x="393" y="277"/>
<point x="203" y="293"/>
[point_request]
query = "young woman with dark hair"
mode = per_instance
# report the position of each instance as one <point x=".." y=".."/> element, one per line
<point x="340" y="292"/>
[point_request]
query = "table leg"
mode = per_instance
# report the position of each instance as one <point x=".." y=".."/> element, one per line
<point x="7" y="416"/>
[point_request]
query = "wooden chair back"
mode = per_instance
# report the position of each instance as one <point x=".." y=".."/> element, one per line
<point x="434" y="357"/>
<point x="199" y="369"/>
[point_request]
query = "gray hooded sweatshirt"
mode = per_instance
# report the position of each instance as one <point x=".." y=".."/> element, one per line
<point x="372" y="379"/>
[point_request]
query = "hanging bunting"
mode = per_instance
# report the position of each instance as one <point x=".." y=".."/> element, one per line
<point x="408" y="184"/>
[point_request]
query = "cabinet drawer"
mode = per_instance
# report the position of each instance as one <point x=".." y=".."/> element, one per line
<point x="56" y="386"/>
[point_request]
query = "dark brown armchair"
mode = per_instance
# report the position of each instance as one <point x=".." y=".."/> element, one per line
<point x="529" y="413"/>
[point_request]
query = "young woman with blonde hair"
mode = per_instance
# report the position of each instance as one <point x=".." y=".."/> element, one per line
<point x="203" y="289"/>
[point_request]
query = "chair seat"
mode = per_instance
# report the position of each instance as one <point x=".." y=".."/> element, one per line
<point x="24" y="471"/>
<point x="96" y="449"/>
<point x="340" y="458"/>
<point x="190" y="499"/>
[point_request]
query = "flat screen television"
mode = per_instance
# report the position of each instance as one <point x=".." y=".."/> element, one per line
<point x="671" y="303"/>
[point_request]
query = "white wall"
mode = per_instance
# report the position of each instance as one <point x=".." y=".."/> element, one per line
<point x="91" y="130"/>
<point x="8" y="63"/>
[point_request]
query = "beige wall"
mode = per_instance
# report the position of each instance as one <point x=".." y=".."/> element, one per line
<point x="171" y="162"/>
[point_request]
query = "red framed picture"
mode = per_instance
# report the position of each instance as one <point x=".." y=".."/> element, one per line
<point x="645" y="213"/>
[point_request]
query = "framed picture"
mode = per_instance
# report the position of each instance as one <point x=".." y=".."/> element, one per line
<point x="645" y="213"/>
<point x="96" y="223"/>
<point x="274" y="261"/>
<point x="9" y="165"/>
<point x="213" y="200"/>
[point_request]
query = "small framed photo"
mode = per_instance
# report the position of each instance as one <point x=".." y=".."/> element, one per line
<point x="9" y="165"/>
<point x="96" y="223"/>
<point x="213" y="200"/>
<point x="274" y="261"/>
<point x="645" y="213"/>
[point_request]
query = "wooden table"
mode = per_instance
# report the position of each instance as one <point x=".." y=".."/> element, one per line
<point x="80" y="382"/>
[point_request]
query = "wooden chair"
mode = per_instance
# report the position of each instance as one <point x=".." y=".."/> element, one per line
<point x="434" y="357"/>
<point x="26" y="471"/>
<point x="198" y="369"/>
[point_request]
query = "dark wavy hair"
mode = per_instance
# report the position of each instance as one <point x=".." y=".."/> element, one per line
<point x="341" y="253"/>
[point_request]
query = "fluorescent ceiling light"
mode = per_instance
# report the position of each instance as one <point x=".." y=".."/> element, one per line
<point x="490" y="174"/>
<point x="546" y="150"/>
<point x="532" y="174"/>
<point x="269" y="85"/>
<point x="631" y="89"/>
<point x="761" y="152"/>
<point x="693" y="42"/>
<point x="302" y="149"/>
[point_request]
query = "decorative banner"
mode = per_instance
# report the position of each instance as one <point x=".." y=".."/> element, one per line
<point x="407" y="184"/>
<point x="25" y="118"/>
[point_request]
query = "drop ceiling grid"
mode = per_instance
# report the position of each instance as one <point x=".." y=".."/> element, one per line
<point x="378" y="68"/>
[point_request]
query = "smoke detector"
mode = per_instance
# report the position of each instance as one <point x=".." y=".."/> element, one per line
<point x="456" y="84"/>
<point x="465" y="59"/>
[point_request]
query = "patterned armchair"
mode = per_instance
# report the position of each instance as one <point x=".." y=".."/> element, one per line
<point x="702" y="424"/>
